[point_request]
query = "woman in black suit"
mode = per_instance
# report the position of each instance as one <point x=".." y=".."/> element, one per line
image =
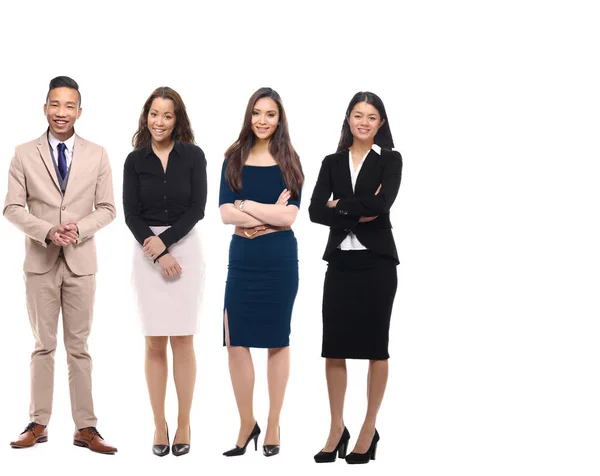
<point x="361" y="280"/>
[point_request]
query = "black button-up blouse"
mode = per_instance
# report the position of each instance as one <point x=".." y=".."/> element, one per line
<point x="153" y="197"/>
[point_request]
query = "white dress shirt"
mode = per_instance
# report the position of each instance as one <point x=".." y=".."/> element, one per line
<point x="70" y="143"/>
<point x="351" y="241"/>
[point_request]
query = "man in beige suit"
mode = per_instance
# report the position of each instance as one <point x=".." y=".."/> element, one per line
<point x="60" y="194"/>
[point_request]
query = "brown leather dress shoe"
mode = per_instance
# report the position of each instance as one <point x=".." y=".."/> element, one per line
<point x="34" y="433"/>
<point x="91" y="439"/>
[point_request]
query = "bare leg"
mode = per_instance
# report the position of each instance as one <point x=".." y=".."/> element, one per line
<point x="278" y="372"/>
<point x="156" y="378"/>
<point x="241" y="371"/>
<point x="337" y="379"/>
<point x="184" y="373"/>
<point x="376" y="382"/>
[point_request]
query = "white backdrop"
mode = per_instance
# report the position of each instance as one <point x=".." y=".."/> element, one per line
<point x="494" y="339"/>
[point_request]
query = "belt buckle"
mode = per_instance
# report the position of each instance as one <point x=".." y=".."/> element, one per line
<point x="256" y="229"/>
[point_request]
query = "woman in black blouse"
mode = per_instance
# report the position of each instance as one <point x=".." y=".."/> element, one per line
<point x="164" y="195"/>
<point x="360" y="284"/>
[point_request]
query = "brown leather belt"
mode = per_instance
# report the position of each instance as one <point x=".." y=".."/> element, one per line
<point x="257" y="231"/>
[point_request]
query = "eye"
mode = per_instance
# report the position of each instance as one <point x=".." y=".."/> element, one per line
<point x="152" y="114"/>
<point x="255" y="113"/>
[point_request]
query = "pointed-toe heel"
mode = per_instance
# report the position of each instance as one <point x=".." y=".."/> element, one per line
<point x="240" y="450"/>
<point x="272" y="450"/>
<point x="162" y="450"/>
<point x="362" y="458"/>
<point x="181" y="449"/>
<point x="340" y="450"/>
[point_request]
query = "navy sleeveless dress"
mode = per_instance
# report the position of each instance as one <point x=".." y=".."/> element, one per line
<point x="262" y="279"/>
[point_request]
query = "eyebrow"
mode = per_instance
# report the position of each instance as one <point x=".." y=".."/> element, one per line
<point x="260" y="110"/>
<point x="56" y="101"/>
<point x="158" y="112"/>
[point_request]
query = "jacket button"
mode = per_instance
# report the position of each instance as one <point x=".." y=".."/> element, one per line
<point x="63" y="208"/>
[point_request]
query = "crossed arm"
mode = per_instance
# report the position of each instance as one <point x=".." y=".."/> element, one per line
<point x="256" y="214"/>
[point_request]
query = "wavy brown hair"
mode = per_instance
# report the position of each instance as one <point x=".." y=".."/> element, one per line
<point x="182" y="131"/>
<point x="383" y="138"/>
<point x="280" y="147"/>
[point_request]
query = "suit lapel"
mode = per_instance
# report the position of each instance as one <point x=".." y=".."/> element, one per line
<point x="343" y="172"/>
<point x="368" y="166"/>
<point x="44" y="149"/>
<point x="78" y="163"/>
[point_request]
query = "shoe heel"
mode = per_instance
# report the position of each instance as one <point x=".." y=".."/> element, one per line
<point x="43" y="439"/>
<point x="78" y="443"/>
<point x="256" y="443"/>
<point x="374" y="451"/>
<point x="343" y="450"/>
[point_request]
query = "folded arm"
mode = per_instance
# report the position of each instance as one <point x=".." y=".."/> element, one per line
<point x="232" y="216"/>
<point x="378" y="204"/>
<point x="318" y="210"/>
<point x="276" y="215"/>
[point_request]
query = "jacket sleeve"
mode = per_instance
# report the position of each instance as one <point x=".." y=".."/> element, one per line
<point x="104" y="203"/>
<point x="16" y="200"/>
<point x="318" y="210"/>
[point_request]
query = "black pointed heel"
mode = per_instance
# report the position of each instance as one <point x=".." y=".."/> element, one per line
<point x="272" y="450"/>
<point x="340" y="450"/>
<point x="181" y="449"/>
<point x="362" y="458"/>
<point x="240" y="450"/>
<point x="162" y="450"/>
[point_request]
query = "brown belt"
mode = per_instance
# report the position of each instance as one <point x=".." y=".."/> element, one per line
<point x="258" y="230"/>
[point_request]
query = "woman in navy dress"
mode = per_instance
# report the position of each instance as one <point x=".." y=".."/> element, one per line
<point x="261" y="182"/>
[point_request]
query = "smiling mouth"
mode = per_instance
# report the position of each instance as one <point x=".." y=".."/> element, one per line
<point x="262" y="129"/>
<point x="60" y="122"/>
<point x="363" y="131"/>
<point x="158" y="131"/>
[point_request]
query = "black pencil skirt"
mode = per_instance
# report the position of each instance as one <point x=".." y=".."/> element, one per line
<point x="358" y="296"/>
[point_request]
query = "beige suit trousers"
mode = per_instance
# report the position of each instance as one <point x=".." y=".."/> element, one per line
<point x="47" y="294"/>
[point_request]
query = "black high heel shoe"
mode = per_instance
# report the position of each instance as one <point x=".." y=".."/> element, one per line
<point x="272" y="450"/>
<point x="361" y="458"/>
<point x="180" y="449"/>
<point x="341" y="449"/>
<point x="162" y="450"/>
<point x="240" y="450"/>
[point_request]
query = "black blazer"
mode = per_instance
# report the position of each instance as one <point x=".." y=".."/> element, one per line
<point x="334" y="177"/>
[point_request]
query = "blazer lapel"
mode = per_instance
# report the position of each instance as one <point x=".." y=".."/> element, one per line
<point x="368" y="166"/>
<point x="78" y="163"/>
<point x="44" y="149"/>
<point x="343" y="172"/>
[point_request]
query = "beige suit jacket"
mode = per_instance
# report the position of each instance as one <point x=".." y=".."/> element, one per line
<point x="34" y="202"/>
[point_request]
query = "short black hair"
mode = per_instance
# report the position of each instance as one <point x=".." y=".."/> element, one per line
<point x="63" y="82"/>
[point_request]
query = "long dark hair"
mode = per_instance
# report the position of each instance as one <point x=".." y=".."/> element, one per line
<point x="383" y="138"/>
<point x="280" y="148"/>
<point x="181" y="132"/>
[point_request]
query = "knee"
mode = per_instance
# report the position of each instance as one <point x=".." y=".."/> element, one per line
<point x="182" y="343"/>
<point x="335" y="363"/>
<point x="156" y="346"/>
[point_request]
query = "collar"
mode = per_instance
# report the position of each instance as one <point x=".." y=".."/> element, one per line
<point x="147" y="149"/>
<point x="70" y="142"/>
